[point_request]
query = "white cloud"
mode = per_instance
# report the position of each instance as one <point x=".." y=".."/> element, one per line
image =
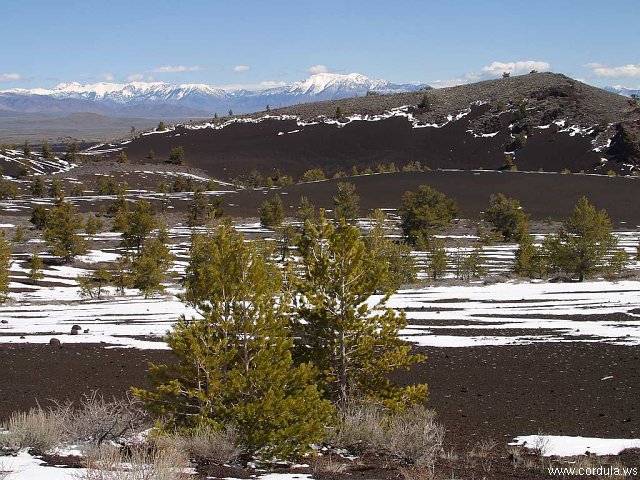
<point x="515" y="68"/>
<point x="135" y="77"/>
<point x="252" y="86"/>
<point x="494" y="70"/>
<point x="600" y="70"/>
<point x="108" y="77"/>
<point x="175" y="69"/>
<point x="10" y="77"/>
<point x="241" y="68"/>
<point x="317" y="69"/>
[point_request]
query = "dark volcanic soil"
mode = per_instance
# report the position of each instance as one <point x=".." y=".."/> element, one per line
<point x="479" y="393"/>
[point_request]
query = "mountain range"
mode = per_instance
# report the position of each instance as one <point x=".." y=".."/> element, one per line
<point x="158" y="100"/>
<point x="627" y="92"/>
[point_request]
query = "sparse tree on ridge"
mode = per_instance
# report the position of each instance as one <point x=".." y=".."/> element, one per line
<point x="38" y="187"/>
<point x="46" y="151"/>
<point x="139" y="225"/>
<point x="176" y="155"/>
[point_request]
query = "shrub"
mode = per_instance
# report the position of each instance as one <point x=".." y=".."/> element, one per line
<point x="206" y="446"/>
<point x="506" y="216"/>
<point x="272" y="212"/>
<point x="109" y="462"/>
<point x="176" y="156"/>
<point x="313" y="175"/>
<point x="425" y="211"/>
<point x="38" y="429"/>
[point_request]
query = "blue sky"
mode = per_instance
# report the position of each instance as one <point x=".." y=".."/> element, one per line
<point x="260" y="42"/>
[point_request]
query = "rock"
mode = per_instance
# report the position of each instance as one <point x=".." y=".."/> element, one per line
<point x="86" y="330"/>
<point x="76" y="327"/>
<point x="75" y="332"/>
<point x="55" y="342"/>
<point x="4" y="321"/>
<point x="22" y="337"/>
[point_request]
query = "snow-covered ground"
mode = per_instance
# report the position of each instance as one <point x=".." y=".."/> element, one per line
<point x="563" y="446"/>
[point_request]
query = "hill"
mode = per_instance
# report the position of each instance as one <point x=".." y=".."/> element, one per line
<point x="542" y="121"/>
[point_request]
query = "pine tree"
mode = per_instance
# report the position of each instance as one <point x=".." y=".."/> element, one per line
<point x="346" y="202"/>
<point x="5" y="265"/>
<point x="93" y="225"/>
<point x="121" y="276"/>
<point x="149" y="268"/>
<point x="151" y="155"/>
<point x="18" y="234"/>
<point x="176" y="155"/>
<point x="70" y="155"/>
<point x="305" y="211"/>
<point x="425" y="212"/>
<point x="46" y="151"/>
<point x="438" y="259"/>
<point x="401" y="268"/>
<point x="234" y="366"/>
<point x="122" y="157"/>
<point x="26" y="150"/>
<point x="55" y="188"/>
<point x="39" y="217"/>
<point x="272" y="212"/>
<point x="140" y="222"/>
<point x="60" y="233"/>
<point x="161" y="127"/>
<point x="198" y="208"/>
<point x="36" y="265"/>
<point x="581" y="246"/>
<point x="38" y="187"/>
<point x="92" y="283"/>
<point x="506" y="216"/>
<point x="313" y="175"/>
<point x="354" y="346"/>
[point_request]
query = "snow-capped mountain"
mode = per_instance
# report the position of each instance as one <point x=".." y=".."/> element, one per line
<point x="161" y="99"/>
<point x="627" y="92"/>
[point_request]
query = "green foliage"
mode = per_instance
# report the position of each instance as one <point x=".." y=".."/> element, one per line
<point x="55" y="188"/>
<point x="346" y="203"/>
<point x="469" y="264"/>
<point x="8" y="189"/>
<point x="255" y="179"/>
<point x="120" y="272"/>
<point x="234" y="367"/>
<point x="581" y="246"/>
<point x="161" y="127"/>
<point x="77" y="190"/>
<point x="18" y="234"/>
<point x="70" y="154"/>
<point x="62" y="225"/>
<point x="109" y="186"/>
<point x="401" y="268"/>
<point x="506" y="216"/>
<point x="39" y="217"/>
<point x="272" y="212"/>
<point x="424" y="212"/>
<point x="149" y="268"/>
<point x="92" y="283"/>
<point x="5" y="265"/>
<point x="355" y="346"/>
<point x="438" y="259"/>
<point x="198" y="209"/>
<point x="93" y="225"/>
<point x="338" y="114"/>
<point x="286" y="238"/>
<point x="313" y="175"/>
<point x="305" y="211"/>
<point x="38" y="187"/>
<point x="46" y="151"/>
<point x="151" y="155"/>
<point x="176" y="155"/>
<point x="425" y="103"/>
<point x="139" y="224"/>
<point x="36" y="265"/>
<point x="26" y="149"/>
<point x="122" y="157"/>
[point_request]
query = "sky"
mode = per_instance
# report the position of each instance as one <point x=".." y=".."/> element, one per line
<point x="263" y="43"/>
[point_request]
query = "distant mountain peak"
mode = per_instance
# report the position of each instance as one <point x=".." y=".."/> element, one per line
<point x="158" y="98"/>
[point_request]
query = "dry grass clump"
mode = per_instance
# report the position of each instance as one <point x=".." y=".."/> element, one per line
<point x="108" y="462"/>
<point x="38" y="429"/>
<point x="329" y="465"/>
<point x="412" y="436"/>
<point x="207" y="446"/>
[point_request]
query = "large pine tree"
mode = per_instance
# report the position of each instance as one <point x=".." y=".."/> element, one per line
<point x="354" y="345"/>
<point x="234" y="366"/>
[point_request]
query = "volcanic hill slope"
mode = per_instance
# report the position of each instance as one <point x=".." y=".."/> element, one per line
<point x="544" y="121"/>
